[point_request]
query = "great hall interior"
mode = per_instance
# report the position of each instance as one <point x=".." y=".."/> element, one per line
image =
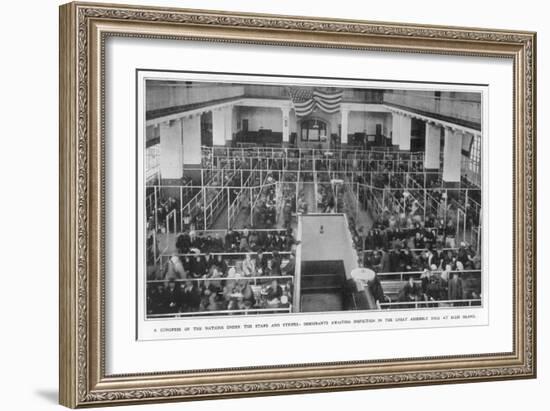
<point x="273" y="199"/>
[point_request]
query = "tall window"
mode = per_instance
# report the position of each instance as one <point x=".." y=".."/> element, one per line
<point x="475" y="160"/>
<point x="152" y="162"/>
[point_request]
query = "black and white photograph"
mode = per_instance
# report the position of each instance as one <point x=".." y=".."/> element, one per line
<point x="275" y="205"/>
<point x="269" y="199"/>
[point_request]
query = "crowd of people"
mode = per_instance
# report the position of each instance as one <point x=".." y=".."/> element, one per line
<point x="403" y="241"/>
<point x="417" y="259"/>
<point x="432" y="287"/>
<point x="236" y="296"/>
<point x="266" y="208"/>
<point x="246" y="240"/>
<point x="209" y="274"/>
<point x="410" y="234"/>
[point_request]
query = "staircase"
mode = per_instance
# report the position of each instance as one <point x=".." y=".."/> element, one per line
<point x="322" y="286"/>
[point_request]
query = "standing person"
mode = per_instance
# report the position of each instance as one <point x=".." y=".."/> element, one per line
<point x="287" y="213"/>
<point x="276" y="263"/>
<point x="455" y="289"/>
<point x="175" y="269"/>
<point x="186" y="221"/>
<point x="377" y="292"/>
<point x="385" y="261"/>
<point x="290" y="267"/>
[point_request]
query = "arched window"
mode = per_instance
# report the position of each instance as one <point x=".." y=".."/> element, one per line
<point x="313" y="130"/>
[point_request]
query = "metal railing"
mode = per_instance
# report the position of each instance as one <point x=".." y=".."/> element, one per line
<point x="246" y="311"/>
<point x="258" y="285"/>
<point x="301" y="152"/>
<point x="401" y="275"/>
<point x="431" y="303"/>
<point x="253" y="280"/>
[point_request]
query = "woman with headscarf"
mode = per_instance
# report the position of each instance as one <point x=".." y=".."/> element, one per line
<point x="249" y="266"/>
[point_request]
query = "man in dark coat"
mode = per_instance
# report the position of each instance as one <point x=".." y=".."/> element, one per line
<point x="191" y="297"/>
<point x="183" y="243"/>
<point x="376" y="290"/>
<point x="172" y="297"/>
<point x="410" y="292"/>
<point x="155" y="299"/>
<point x="198" y="267"/>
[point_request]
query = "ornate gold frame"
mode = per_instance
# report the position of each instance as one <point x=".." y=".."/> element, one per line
<point x="83" y="29"/>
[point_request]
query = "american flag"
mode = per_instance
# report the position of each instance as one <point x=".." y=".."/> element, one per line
<point x="306" y="100"/>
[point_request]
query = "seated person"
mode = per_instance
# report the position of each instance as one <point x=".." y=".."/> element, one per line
<point x="228" y="292"/>
<point x="290" y="267"/>
<point x="213" y="279"/>
<point x="247" y="300"/>
<point x="261" y="262"/>
<point x="243" y="243"/>
<point x="173" y="298"/>
<point x="249" y="266"/>
<point x="221" y="265"/>
<point x="191" y="297"/>
<point x="198" y="267"/>
<point x="410" y="291"/>
<point x="435" y="289"/>
<point x="274" y="293"/>
<point x="183" y="243"/>
<point x="155" y="299"/>
<point x="208" y="261"/>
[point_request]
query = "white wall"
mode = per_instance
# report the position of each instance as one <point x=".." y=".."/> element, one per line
<point x="465" y="106"/>
<point x="361" y="122"/>
<point x="266" y="117"/>
<point x="28" y="306"/>
<point x="161" y="96"/>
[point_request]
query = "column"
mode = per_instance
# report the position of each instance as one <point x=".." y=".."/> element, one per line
<point x="171" y="150"/>
<point x="432" y="150"/>
<point x="286" y="125"/>
<point x="192" y="140"/>
<point x="228" y="120"/>
<point x="395" y="129"/>
<point x="218" y="127"/>
<point x="344" y="126"/>
<point x="452" y="156"/>
<point x="405" y="133"/>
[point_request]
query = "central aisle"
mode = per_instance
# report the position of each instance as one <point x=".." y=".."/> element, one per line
<point x="310" y="196"/>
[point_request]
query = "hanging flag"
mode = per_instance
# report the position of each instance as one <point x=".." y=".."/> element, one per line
<point x="328" y="101"/>
<point x="305" y="100"/>
<point x="302" y="100"/>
